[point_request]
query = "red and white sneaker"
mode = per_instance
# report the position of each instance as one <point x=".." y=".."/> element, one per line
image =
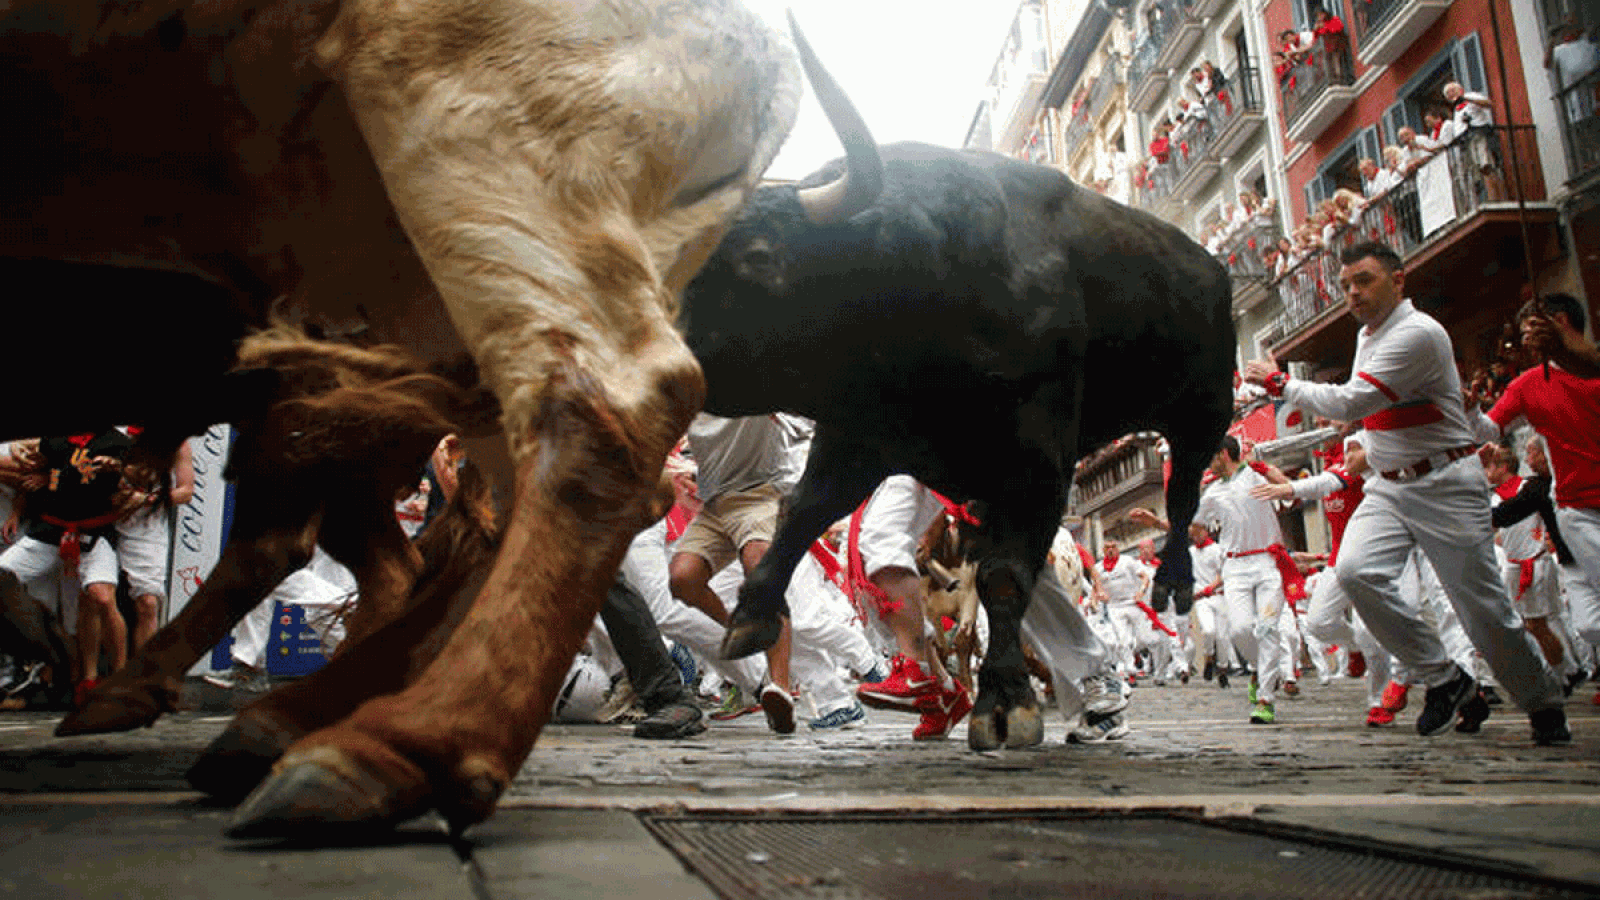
<point x="1377" y="717"/>
<point x="1394" y="696"/>
<point x="941" y="712"/>
<point x="907" y="683"/>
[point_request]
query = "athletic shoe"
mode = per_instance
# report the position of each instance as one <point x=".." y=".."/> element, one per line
<point x="1209" y="673"/>
<point x="1263" y="714"/>
<point x="1222" y="678"/>
<point x="734" y="705"/>
<point x="1473" y="713"/>
<point x="779" y="707"/>
<point x="1378" y="717"/>
<point x="941" y="712"/>
<point x="876" y="675"/>
<point x="671" y="722"/>
<point x="1291" y="689"/>
<point x="80" y="694"/>
<point x="1325" y="679"/>
<point x="688" y="669"/>
<point x="239" y="678"/>
<point x="1394" y="696"/>
<point x="1096" y="728"/>
<point x="1103" y="695"/>
<point x="845" y="717"/>
<point x="907" y="683"/>
<point x="1492" y="696"/>
<point x="1550" y="727"/>
<point x="1441" y="704"/>
<point x="1356" y="664"/>
<point x="1573" y="680"/>
<point x="1596" y="700"/>
<point x="31" y="676"/>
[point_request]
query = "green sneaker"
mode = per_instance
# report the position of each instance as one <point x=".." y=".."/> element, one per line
<point x="1263" y="715"/>
<point x="734" y="705"/>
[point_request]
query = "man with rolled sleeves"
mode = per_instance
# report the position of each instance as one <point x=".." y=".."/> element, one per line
<point x="1429" y="491"/>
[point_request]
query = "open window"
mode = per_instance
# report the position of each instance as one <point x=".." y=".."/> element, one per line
<point x="1461" y="61"/>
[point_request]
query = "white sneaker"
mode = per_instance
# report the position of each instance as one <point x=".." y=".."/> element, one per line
<point x="1103" y="695"/>
<point x="1098" y="728"/>
<point x="240" y="678"/>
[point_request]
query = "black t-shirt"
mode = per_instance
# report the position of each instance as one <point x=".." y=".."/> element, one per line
<point x="76" y="489"/>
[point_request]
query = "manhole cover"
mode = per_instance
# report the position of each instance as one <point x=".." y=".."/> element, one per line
<point x="1057" y="855"/>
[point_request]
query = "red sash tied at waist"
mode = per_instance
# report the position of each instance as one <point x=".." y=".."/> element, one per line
<point x="1294" y="583"/>
<point x="1155" y="620"/>
<point x="71" y="531"/>
<point x="1525" y="573"/>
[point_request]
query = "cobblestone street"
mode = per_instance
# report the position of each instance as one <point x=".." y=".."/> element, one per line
<point x="1494" y="796"/>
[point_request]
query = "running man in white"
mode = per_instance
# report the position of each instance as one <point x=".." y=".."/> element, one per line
<point x="1431" y="493"/>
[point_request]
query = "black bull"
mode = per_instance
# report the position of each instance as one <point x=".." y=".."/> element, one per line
<point x="978" y="324"/>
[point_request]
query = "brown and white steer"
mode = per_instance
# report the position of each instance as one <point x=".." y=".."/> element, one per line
<point x="532" y="182"/>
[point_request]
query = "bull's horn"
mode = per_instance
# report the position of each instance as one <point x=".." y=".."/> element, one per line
<point x="862" y="182"/>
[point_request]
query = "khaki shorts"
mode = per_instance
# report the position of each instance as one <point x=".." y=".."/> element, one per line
<point x="721" y="529"/>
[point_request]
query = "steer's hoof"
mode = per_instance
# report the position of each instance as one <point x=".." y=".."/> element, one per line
<point x="747" y="637"/>
<point x="1024" y="727"/>
<point x="240" y="757"/>
<point x="120" y="707"/>
<point x="322" y="792"/>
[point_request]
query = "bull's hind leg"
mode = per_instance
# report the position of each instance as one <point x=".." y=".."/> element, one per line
<point x="273" y="535"/>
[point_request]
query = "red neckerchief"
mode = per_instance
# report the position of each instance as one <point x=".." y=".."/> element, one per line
<point x="1436" y="129"/>
<point x="1109" y="562"/>
<point x="1508" y="488"/>
<point x="1202" y="544"/>
<point x="81" y="440"/>
<point x="1460" y="106"/>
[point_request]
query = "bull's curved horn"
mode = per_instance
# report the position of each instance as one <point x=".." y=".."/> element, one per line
<point x="862" y="181"/>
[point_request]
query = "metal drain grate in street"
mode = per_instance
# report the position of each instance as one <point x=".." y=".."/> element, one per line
<point x="1058" y="856"/>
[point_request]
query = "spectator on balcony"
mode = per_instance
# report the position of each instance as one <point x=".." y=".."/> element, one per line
<point x="1416" y="152"/>
<point x="1329" y="29"/>
<point x="1296" y="45"/>
<point x="1375" y="180"/>
<point x="1573" y="56"/>
<point x="1285" y="257"/>
<point x="1437" y="135"/>
<point x="1472" y="120"/>
<point x="1283" y="68"/>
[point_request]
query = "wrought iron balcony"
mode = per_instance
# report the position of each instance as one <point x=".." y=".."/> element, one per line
<point x="1118" y="471"/>
<point x="1475" y="180"/>
<point x="1316" y="90"/>
<point x="1580" y="123"/>
<point x="1237" y="115"/>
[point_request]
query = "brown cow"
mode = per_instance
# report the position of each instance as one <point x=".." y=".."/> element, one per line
<point x="533" y="182"/>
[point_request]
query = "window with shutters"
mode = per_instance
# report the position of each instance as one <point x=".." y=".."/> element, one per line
<point x="1461" y="61"/>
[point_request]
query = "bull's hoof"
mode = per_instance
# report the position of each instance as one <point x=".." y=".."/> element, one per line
<point x="121" y="706"/>
<point x="751" y="635"/>
<point x="240" y="757"/>
<point x="322" y="793"/>
<point x="1013" y="728"/>
<point x="1024" y="727"/>
<point x="985" y="732"/>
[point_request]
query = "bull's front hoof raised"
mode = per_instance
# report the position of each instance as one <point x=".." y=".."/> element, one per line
<point x="325" y="793"/>
<point x="241" y="757"/>
<point x="749" y="635"/>
<point x="121" y="705"/>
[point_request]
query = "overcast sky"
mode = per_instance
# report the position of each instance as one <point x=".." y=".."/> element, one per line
<point x="915" y="68"/>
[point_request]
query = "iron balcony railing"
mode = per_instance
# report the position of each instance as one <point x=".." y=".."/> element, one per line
<point x="1115" y="470"/>
<point x="1304" y="83"/>
<point x="1580" y="123"/>
<point x="1100" y="92"/>
<point x="1480" y="168"/>
<point x="1143" y="59"/>
<point x="1245" y="254"/>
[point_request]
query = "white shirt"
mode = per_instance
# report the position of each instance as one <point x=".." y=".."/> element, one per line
<point x="1524" y="539"/>
<point x="1471" y="114"/>
<point x="1206" y="562"/>
<point x="1244" y="523"/>
<point x="1408" y="362"/>
<point x="1123" y="584"/>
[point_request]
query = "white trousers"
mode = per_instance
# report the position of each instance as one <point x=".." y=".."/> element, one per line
<point x="1254" y="592"/>
<point x="645" y="569"/>
<point x="1580" y="528"/>
<point x="1446" y="514"/>
<point x="1061" y="637"/>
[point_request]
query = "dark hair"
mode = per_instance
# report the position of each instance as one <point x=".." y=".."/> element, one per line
<point x="1230" y="446"/>
<point x="1564" y="304"/>
<point x="1504" y="455"/>
<point x="1380" y="252"/>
